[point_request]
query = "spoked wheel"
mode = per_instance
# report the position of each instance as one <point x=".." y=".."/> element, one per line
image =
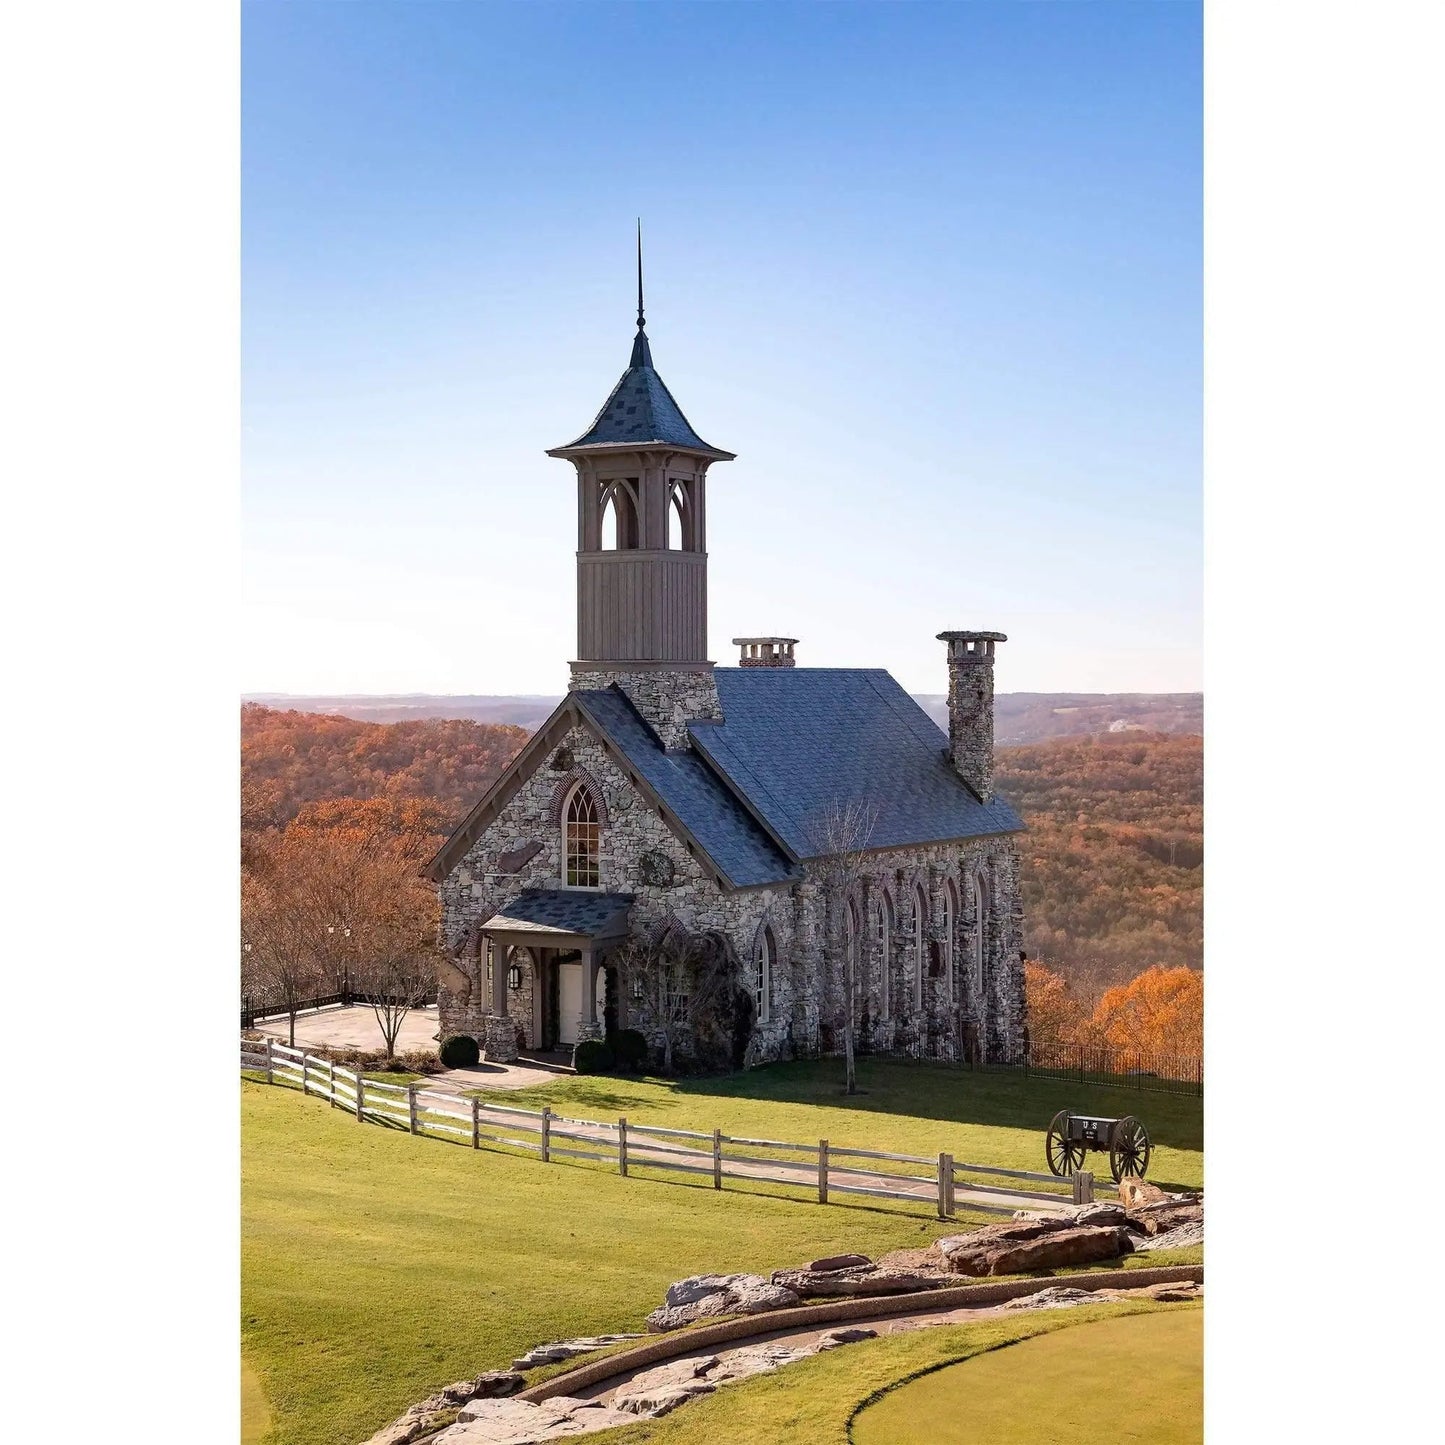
<point x="1129" y="1149"/>
<point x="1065" y="1156"/>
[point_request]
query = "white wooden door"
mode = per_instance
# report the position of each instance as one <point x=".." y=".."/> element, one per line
<point x="569" y="1001"/>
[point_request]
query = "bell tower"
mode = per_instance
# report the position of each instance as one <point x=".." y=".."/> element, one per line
<point x="642" y="536"/>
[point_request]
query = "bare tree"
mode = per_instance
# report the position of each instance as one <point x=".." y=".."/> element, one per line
<point x="279" y="948"/>
<point x="839" y="834"/>
<point x="675" y="975"/>
<point x="395" y="955"/>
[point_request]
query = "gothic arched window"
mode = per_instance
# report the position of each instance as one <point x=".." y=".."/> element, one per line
<point x="978" y="906"/>
<point x="681" y="533"/>
<point x="764" y="955"/>
<point x="950" y="923"/>
<point x="582" y="839"/>
<point x="883" y="926"/>
<point x="920" y="942"/>
<point x="619" y="517"/>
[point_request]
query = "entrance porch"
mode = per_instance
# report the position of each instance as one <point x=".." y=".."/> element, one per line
<point x="561" y="937"/>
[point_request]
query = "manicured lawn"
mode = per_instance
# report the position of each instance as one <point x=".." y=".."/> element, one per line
<point x="981" y="1118"/>
<point x="811" y="1402"/>
<point x="377" y="1266"/>
<point x="255" y="1414"/>
<point x="1109" y="1382"/>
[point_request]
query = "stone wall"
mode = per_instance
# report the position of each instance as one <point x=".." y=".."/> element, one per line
<point x="631" y="841"/>
<point x="804" y="1012"/>
<point x="668" y="698"/>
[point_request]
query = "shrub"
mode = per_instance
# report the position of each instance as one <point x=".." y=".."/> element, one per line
<point x="460" y="1051"/>
<point x="629" y="1048"/>
<point x="592" y="1056"/>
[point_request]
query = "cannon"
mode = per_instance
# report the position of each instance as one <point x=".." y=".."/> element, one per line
<point x="1072" y="1136"/>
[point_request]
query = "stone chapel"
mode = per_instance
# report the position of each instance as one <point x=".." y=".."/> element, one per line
<point x="666" y="789"/>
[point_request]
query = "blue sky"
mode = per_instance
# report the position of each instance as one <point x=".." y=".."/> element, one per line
<point x="932" y="271"/>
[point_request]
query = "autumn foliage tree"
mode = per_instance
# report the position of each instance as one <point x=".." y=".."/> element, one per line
<point x="336" y="900"/>
<point x="1159" y="1012"/>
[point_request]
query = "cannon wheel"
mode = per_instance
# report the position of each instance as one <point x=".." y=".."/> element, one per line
<point x="1064" y="1155"/>
<point x="1129" y="1149"/>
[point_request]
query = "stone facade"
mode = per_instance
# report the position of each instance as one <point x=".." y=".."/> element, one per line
<point x="954" y="1018"/>
<point x="668" y="698"/>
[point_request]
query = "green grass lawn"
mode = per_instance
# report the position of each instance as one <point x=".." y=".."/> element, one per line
<point x="377" y="1266"/>
<point x="1062" y="1387"/>
<point x="813" y="1401"/>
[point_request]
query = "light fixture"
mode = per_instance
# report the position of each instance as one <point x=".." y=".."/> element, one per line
<point x="514" y="976"/>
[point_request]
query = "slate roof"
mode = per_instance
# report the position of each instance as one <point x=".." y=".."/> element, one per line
<point x="692" y="792"/>
<point x="560" y="910"/>
<point x="641" y="412"/>
<point x="796" y="740"/>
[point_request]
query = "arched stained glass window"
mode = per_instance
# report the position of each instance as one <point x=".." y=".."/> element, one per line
<point x="920" y="942"/>
<point x="582" y="839"/>
<point x="764" y="954"/>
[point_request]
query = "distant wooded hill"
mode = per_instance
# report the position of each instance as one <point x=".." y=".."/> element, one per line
<point x="1113" y="856"/>
<point x="1021" y="717"/>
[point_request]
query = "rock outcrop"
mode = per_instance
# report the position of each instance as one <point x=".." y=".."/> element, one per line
<point x="555" y="1354"/>
<point x="706" y="1296"/>
<point x="868" y="1279"/>
<point x="437" y="1409"/>
<point x="1022" y="1245"/>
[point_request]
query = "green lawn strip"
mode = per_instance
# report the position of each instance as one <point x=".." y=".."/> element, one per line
<point x="811" y="1402"/>
<point x="377" y="1267"/>
<point x="1061" y="1386"/>
<point x="255" y="1412"/>
<point x="981" y="1118"/>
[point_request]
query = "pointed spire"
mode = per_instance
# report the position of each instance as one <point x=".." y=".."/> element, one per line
<point x="641" y="351"/>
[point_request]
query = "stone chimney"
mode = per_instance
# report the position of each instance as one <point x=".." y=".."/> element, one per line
<point x="766" y="651"/>
<point x="970" y="706"/>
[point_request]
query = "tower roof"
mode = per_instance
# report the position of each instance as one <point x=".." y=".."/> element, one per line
<point x="641" y="410"/>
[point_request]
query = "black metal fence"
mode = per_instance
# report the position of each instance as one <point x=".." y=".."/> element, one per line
<point x="253" y="1011"/>
<point x="1103" y="1064"/>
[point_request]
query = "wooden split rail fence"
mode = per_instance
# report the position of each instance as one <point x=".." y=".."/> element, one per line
<point x="824" y="1167"/>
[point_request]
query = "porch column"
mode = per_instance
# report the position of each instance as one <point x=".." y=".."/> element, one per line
<point x="587" y="1027"/>
<point x="500" y="1043"/>
<point x="501" y="960"/>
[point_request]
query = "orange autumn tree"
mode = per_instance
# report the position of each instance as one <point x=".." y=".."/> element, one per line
<point x="1159" y="1012"/>
<point x="1056" y="1017"/>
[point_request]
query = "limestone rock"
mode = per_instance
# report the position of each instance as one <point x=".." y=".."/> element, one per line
<point x="1179" y="1237"/>
<point x="556" y="1353"/>
<point x="1134" y="1192"/>
<point x="838" y="1261"/>
<point x="661" y="1402"/>
<point x="1050" y="1249"/>
<point x="849" y="1335"/>
<point x="423" y="1417"/>
<point x="708" y="1296"/>
<point x="699" y="1286"/>
<point x="1056" y="1297"/>
<point x="854" y="1282"/>
<point x="518" y="1422"/>
<point x="1166" y="1214"/>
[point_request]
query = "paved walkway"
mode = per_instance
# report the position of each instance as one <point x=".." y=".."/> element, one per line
<point x="355" y="1027"/>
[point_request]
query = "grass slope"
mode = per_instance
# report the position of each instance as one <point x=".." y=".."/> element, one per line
<point x="906" y="1108"/>
<point x="377" y="1266"/>
<point x="1062" y="1386"/>
<point x="812" y="1402"/>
